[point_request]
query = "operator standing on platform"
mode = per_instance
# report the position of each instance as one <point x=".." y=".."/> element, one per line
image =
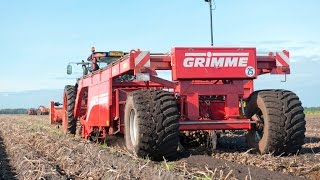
<point x="95" y="65"/>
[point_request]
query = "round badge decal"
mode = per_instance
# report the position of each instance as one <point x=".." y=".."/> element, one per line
<point x="250" y="71"/>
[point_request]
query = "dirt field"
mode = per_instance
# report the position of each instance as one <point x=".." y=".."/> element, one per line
<point x="32" y="149"/>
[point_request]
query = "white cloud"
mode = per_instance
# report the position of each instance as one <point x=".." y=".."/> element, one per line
<point x="299" y="50"/>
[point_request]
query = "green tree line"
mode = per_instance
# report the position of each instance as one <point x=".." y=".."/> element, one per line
<point x="312" y="110"/>
<point x="14" y="111"/>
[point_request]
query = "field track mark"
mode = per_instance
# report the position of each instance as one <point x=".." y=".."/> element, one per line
<point x="28" y="162"/>
<point x="73" y="157"/>
<point x="6" y="171"/>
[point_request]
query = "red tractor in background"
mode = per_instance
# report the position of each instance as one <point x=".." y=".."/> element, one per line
<point x="211" y="89"/>
<point x="32" y="111"/>
<point x="42" y="110"/>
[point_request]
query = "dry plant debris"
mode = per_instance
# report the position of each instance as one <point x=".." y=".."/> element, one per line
<point x="37" y="150"/>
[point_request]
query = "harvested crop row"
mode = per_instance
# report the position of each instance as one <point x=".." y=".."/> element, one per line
<point x="52" y="155"/>
<point x="32" y="145"/>
<point x="306" y="164"/>
<point x="68" y="157"/>
<point x="26" y="161"/>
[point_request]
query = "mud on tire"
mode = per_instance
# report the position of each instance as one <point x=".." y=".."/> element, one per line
<point x="69" y="122"/>
<point x="281" y="128"/>
<point x="152" y="124"/>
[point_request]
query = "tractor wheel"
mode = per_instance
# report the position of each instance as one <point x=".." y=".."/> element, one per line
<point x="69" y="123"/>
<point x="152" y="124"/>
<point x="280" y="122"/>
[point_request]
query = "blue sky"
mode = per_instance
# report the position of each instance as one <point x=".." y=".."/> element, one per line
<point x="38" y="38"/>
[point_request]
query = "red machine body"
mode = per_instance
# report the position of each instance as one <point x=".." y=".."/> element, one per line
<point x="56" y="113"/>
<point x="42" y="110"/>
<point x="220" y="63"/>
<point x="210" y="84"/>
<point x="32" y="111"/>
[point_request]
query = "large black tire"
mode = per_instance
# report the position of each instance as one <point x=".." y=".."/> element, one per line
<point x="69" y="122"/>
<point x="152" y="124"/>
<point x="281" y="128"/>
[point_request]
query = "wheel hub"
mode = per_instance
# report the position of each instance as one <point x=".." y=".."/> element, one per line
<point x="259" y="125"/>
<point x="134" y="131"/>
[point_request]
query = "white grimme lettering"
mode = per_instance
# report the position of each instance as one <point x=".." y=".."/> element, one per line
<point x="199" y="62"/>
<point x="188" y="62"/>
<point x="216" y="62"/>
<point x="231" y="62"/>
<point x="243" y="62"/>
